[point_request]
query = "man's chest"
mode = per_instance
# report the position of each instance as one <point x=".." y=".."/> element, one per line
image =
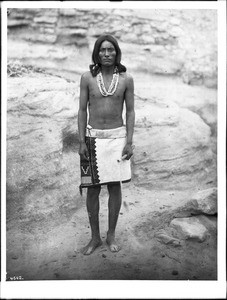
<point x="95" y="92"/>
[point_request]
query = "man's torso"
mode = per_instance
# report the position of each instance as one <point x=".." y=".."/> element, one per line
<point x="106" y="112"/>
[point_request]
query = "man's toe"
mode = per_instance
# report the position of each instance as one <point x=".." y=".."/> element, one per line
<point x="114" y="248"/>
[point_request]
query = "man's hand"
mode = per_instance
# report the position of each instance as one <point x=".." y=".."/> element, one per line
<point x="83" y="151"/>
<point x="127" y="151"/>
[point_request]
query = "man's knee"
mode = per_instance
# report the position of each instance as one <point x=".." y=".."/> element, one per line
<point x="114" y="187"/>
<point x="93" y="192"/>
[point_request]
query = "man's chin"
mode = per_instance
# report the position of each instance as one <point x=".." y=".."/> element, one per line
<point x="108" y="63"/>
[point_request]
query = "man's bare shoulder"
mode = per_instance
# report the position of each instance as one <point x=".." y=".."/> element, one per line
<point x="128" y="77"/>
<point x="86" y="76"/>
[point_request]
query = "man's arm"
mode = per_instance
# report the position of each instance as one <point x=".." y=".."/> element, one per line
<point x="130" y="116"/>
<point x="82" y="116"/>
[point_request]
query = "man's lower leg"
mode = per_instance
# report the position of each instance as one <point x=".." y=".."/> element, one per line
<point x="93" y="215"/>
<point x="114" y="209"/>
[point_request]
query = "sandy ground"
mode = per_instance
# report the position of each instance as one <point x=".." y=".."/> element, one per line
<point x="51" y="250"/>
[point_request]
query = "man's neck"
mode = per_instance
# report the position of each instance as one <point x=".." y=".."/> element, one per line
<point x="107" y="70"/>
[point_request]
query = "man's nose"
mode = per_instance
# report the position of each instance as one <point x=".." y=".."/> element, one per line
<point x="106" y="52"/>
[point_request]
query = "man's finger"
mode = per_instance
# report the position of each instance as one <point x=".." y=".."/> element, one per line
<point x="124" y="157"/>
<point x="85" y="156"/>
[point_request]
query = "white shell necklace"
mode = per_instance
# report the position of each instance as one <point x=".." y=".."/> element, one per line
<point x="112" y="87"/>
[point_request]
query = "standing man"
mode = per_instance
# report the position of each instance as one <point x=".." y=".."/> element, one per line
<point x="105" y="142"/>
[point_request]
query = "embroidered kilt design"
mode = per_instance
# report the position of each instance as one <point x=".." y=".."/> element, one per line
<point x="105" y="164"/>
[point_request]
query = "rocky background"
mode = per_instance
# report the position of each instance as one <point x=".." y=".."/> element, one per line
<point x="172" y="55"/>
<point x="169" y="42"/>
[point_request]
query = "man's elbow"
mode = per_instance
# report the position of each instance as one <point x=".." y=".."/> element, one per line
<point x="82" y="114"/>
<point x="130" y="113"/>
<point x="82" y="111"/>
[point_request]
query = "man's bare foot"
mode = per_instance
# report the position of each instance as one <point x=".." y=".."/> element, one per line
<point x="92" y="245"/>
<point x="112" y="243"/>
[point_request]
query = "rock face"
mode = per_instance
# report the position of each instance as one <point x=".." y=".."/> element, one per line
<point x="41" y="128"/>
<point x="172" y="146"/>
<point x="169" y="42"/>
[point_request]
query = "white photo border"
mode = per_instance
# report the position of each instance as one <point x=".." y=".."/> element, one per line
<point x="76" y="289"/>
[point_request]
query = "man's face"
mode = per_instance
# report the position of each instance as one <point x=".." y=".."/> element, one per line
<point x="107" y="54"/>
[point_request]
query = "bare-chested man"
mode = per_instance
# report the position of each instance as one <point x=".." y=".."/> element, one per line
<point x="103" y="91"/>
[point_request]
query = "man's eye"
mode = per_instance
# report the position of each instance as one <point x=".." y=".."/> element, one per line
<point x="110" y="50"/>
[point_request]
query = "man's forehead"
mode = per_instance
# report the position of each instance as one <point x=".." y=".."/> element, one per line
<point x="106" y="44"/>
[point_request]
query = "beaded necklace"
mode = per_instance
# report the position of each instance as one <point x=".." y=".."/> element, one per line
<point x="112" y="87"/>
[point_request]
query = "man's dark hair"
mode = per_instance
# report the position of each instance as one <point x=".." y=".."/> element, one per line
<point x="95" y="67"/>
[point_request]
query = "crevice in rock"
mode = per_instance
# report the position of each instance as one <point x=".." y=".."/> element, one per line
<point x="70" y="141"/>
<point x="38" y="115"/>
